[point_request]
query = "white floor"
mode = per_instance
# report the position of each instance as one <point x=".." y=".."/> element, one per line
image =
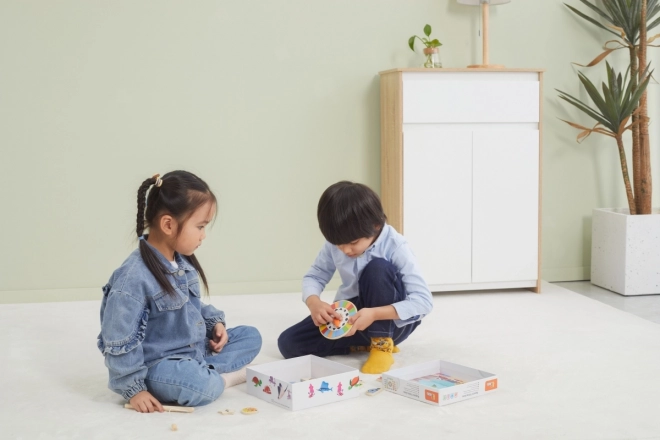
<point x="569" y="368"/>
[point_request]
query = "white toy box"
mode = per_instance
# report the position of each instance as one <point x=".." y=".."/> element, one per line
<point x="303" y="382"/>
<point x="439" y="382"/>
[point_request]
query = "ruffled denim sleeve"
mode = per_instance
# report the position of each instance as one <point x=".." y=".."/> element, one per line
<point x="123" y="326"/>
<point x="212" y="316"/>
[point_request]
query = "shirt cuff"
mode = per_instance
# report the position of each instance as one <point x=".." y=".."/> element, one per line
<point x="305" y="296"/>
<point x="211" y="322"/>
<point x="405" y="315"/>
<point x="136" y="388"/>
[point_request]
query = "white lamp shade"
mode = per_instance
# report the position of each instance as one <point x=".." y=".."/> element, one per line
<point x="478" y="2"/>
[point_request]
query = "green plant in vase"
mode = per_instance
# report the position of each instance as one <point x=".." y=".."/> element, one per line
<point x="431" y="47"/>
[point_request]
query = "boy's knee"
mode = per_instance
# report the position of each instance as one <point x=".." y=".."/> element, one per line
<point x="285" y="346"/>
<point x="379" y="267"/>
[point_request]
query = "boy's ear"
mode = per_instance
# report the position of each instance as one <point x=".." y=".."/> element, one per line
<point x="167" y="224"/>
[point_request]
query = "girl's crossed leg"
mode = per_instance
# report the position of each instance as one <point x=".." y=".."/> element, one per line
<point x="187" y="382"/>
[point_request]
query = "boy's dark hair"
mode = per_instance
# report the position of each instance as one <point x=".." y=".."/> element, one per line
<point x="179" y="194"/>
<point x="349" y="211"/>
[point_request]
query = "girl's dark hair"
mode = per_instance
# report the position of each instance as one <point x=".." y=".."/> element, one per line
<point x="180" y="193"/>
<point x="349" y="211"/>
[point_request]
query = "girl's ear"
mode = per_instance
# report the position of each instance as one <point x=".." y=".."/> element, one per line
<point x="167" y="225"/>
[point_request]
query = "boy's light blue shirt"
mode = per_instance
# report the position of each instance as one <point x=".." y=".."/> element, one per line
<point x="392" y="247"/>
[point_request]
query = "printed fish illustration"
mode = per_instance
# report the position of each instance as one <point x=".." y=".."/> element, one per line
<point x="272" y="380"/>
<point x="267" y="389"/>
<point x="324" y="387"/>
<point x="355" y="382"/>
<point x="311" y="390"/>
<point x="256" y="381"/>
<point x="340" y="390"/>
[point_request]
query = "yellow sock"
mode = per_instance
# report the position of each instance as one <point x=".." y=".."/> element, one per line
<point x="380" y="356"/>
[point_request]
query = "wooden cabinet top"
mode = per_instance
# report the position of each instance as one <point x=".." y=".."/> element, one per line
<point x="458" y="69"/>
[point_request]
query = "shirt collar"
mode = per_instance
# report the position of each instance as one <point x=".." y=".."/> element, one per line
<point x="381" y="237"/>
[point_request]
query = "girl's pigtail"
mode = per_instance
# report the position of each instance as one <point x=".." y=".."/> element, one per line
<point x="193" y="260"/>
<point x="148" y="256"/>
<point x="142" y="204"/>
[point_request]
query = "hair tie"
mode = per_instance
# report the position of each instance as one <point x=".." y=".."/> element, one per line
<point x="159" y="181"/>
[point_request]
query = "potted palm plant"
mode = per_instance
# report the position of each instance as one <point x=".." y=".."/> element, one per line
<point x="625" y="253"/>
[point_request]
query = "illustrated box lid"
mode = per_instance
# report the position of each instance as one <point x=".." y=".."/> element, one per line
<point x="439" y="382"/>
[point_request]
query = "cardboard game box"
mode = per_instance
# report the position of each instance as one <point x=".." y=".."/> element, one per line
<point x="303" y="382"/>
<point x="439" y="382"/>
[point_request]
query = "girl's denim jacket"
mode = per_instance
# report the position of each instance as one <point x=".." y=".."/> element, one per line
<point x="141" y="324"/>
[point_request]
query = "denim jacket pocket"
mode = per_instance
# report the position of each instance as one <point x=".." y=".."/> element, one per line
<point x="166" y="301"/>
<point x="193" y="286"/>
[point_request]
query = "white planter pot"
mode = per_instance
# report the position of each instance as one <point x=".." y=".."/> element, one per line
<point x="625" y="251"/>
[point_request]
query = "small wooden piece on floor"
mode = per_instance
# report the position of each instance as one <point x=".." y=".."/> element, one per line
<point x="227" y="412"/>
<point x="373" y="391"/>
<point x="249" y="411"/>
<point x="168" y="408"/>
<point x="174" y="427"/>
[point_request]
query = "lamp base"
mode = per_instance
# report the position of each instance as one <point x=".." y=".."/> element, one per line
<point x="486" y="66"/>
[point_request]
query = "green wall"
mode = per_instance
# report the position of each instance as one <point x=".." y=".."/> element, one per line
<point x="270" y="102"/>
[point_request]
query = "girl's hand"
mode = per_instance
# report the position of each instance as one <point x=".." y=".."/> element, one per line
<point x="361" y="320"/>
<point x="144" y="402"/>
<point x="220" y="338"/>
<point x="321" y="312"/>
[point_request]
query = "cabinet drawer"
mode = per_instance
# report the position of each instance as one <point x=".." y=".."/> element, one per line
<point x="453" y="100"/>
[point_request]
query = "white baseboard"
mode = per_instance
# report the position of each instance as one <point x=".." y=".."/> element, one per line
<point x="237" y="288"/>
<point x="556" y="274"/>
<point x="94" y="293"/>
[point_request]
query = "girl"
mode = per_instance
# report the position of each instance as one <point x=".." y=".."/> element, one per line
<point x="160" y="342"/>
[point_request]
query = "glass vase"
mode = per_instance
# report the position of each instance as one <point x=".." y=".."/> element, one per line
<point x="432" y="57"/>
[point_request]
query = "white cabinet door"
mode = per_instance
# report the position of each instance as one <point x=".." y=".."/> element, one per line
<point x="437" y="188"/>
<point x="505" y="205"/>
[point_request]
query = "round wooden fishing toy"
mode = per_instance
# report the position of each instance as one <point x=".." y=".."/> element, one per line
<point x="339" y="326"/>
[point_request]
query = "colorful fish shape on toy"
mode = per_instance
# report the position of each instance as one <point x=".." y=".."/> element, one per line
<point x="340" y="390"/>
<point x="324" y="387"/>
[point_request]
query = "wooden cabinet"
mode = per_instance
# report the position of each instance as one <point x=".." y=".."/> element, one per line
<point x="460" y="173"/>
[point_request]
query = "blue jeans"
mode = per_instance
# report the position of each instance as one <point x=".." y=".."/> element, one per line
<point x="187" y="382"/>
<point x="380" y="284"/>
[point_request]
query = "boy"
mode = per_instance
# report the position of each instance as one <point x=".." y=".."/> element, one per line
<point x="378" y="273"/>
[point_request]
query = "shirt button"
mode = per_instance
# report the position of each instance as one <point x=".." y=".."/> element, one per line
<point x="192" y="345"/>
<point x="181" y="272"/>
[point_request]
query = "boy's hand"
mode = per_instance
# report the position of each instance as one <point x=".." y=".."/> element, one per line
<point x="361" y="320"/>
<point x="220" y="338"/>
<point x="144" y="402"/>
<point x="321" y="312"/>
